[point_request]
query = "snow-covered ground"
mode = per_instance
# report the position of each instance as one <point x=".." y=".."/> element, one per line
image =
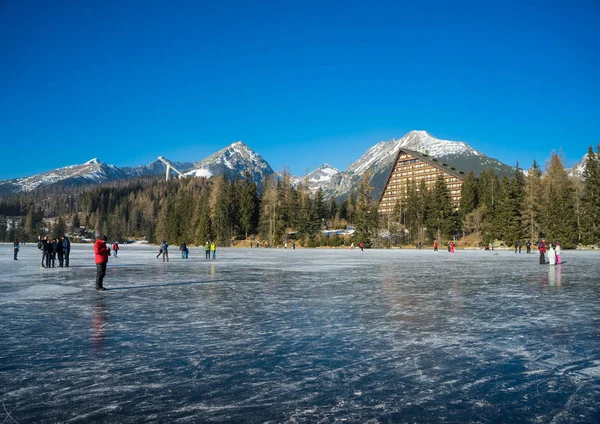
<point x="274" y="335"/>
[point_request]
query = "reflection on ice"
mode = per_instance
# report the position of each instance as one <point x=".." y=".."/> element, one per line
<point x="273" y="335"/>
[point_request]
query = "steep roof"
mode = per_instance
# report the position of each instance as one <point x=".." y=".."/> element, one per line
<point x="425" y="158"/>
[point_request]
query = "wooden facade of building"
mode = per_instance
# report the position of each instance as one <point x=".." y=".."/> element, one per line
<point x="419" y="167"/>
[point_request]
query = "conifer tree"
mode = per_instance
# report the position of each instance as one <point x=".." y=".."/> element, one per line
<point x="468" y="195"/>
<point x="269" y="220"/>
<point x="560" y="222"/>
<point x="220" y="209"/>
<point x="440" y="221"/>
<point x="248" y="205"/>
<point x="59" y="228"/>
<point x="590" y="200"/>
<point x="365" y="221"/>
<point x="75" y="223"/>
<point x="332" y="210"/>
<point x="532" y="202"/>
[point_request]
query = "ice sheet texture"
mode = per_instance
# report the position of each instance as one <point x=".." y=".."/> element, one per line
<point x="282" y="335"/>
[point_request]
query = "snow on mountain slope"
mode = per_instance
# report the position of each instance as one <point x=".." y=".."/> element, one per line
<point x="155" y="168"/>
<point x="379" y="159"/>
<point x="577" y="170"/>
<point x="236" y="159"/>
<point x="91" y="172"/>
<point x="317" y="178"/>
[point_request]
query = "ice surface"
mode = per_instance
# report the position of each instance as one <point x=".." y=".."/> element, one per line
<point x="319" y="335"/>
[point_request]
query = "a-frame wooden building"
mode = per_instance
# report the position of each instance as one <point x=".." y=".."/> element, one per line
<point x="409" y="166"/>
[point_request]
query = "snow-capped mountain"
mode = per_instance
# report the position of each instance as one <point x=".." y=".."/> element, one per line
<point x="91" y="172"/>
<point x="236" y="159"/>
<point x="379" y="160"/>
<point x="577" y="170"/>
<point x="320" y="177"/>
<point x="155" y="168"/>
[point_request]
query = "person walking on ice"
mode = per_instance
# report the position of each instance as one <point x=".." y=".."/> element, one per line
<point x="115" y="248"/>
<point x="165" y="250"/>
<point x="213" y="249"/>
<point x="66" y="249"/>
<point x="16" y="248"/>
<point x="184" y="250"/>
<point x="207" y="250"/>
<point x="101" y="253"/>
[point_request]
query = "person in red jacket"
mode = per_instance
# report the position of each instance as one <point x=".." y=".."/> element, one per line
<point x="102" y="253"/>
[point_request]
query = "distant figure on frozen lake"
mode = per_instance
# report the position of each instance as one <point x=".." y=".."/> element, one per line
<point x="213" y="249"/>
<point x="43" y="246"/>
<point x="551" y="255"/>
<point x="184" y="250"/>
<point x="362" y="246"/>
<point x="557" y="251"/>
<point x="159" y="252"/>
<point x="115" y="248"/>
<point x="60" y="253"/>
<point x="54" y="251"/>
<point x="435" y="246"/>
<point x="16" y="248"/>
<point x="451" y="247"/>
<point x="352" y="246"/>
<point x="165" y="250"/>
<point x="101" y="253"/>
<point x="66" y="249"/>
<point x="528" y="246"/>
<point x="207" y="250"/>
<point x="542" y="250"/>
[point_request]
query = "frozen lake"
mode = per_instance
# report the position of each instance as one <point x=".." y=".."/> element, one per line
<point x="274" y="335"/>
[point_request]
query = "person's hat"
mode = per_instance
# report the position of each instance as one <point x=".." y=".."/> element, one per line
<point x="104" y="238"/>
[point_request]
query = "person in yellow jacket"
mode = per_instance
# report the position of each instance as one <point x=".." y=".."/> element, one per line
<point x="213" y="249"/>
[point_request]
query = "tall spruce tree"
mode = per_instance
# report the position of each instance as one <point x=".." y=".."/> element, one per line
<point x="220" y="209"/>
<point x="248" y="205"/>
<point x="560" y="221"/>
<point x="468" y="196"/>
<point x="590" y="199"/>
<point x="532" y="202"/>
<point x="269" y="220"/>
<point x="440" y="220"/>
<point x="365" y="221"/>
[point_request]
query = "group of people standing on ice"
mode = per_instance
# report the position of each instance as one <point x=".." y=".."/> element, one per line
<point x="519" y="246"/>
<point x="210" y="248"/>
<point x="549" y="253"/>
<point x="51" y="248"/>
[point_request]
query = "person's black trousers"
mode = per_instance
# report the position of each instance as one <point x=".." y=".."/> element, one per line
<point x="66" y="254"/>
<point x="100" y="272"/>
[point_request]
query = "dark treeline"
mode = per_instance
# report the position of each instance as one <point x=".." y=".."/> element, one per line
<point x="526" y="206"/>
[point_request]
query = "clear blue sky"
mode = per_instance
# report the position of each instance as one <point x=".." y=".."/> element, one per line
<point x="300" y="82"/>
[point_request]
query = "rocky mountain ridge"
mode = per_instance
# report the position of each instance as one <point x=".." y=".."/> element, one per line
<point x="239" y="159"/>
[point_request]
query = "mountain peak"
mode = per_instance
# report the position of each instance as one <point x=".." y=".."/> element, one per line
<point x="94" y="161"/>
